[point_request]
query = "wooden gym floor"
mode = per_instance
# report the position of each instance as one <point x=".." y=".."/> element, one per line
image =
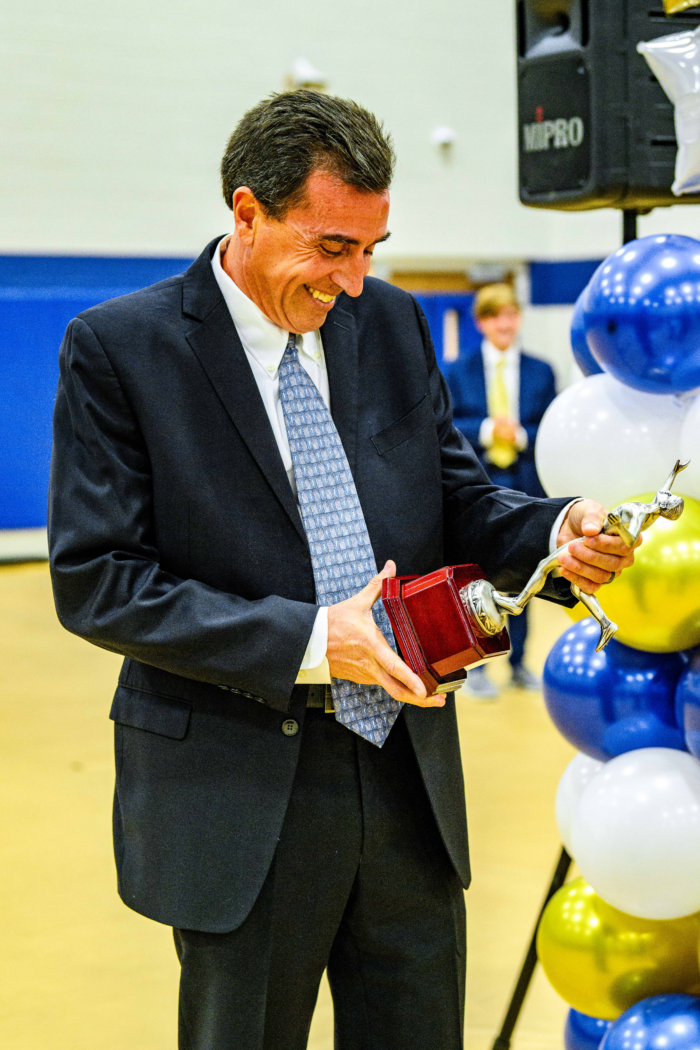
<point x="79" y="971"/>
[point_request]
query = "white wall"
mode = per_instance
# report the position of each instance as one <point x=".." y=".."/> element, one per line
<point x="113" y="118"/>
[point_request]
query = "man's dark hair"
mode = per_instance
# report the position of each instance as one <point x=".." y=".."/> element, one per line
<point x="279" y="142"/>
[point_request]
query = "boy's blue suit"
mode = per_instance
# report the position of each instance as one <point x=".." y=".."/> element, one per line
<point x="467" y="383"/>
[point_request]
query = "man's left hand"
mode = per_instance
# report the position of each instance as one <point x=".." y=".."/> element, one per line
<point x="594" y="559"/>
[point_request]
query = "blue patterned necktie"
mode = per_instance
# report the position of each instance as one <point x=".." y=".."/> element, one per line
<point x="341" y="553"/>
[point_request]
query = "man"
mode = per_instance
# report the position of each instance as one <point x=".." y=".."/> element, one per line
<point x="500" y="395"/>
<point x="216" y="523"/>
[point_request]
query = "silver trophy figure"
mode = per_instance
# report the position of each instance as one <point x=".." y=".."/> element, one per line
<point x="628" y="520"/>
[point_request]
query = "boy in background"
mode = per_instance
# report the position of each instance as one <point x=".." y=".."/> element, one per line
<point x="500" y="394"/>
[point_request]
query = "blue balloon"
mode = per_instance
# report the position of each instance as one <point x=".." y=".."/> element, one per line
<point x="614" y="701"/>
<point x="662" y="1022"/>
<point x="582" y="355"/>
<point x="582" y="1032"/>
<point x="688" y="703"/>
<point x="641" y="314"/>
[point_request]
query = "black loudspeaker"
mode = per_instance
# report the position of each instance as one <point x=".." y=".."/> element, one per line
<point x="595" y="126"/>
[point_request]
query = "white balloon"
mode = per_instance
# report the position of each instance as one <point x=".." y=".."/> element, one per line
<point x="689" y="481"/>
<point x="606" y="441"/>
<point x="636" y="833"/>
<point x="576" y="775"/>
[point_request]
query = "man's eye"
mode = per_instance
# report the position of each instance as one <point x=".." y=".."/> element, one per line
<point x="327" y="251"/>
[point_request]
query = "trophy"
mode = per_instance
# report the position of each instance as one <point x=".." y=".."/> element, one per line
<point x="454" y="618"/>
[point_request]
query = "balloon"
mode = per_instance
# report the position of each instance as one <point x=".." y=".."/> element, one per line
<point x="690" y="449"/>
<point x="636" y="833"/>
<point x="614" y="701"/>
<point x="602" y="440"/>
<point x="601" y="961"/>
<point x="674" y="60"/>
<point x="688" y="704"/>
<point x="576" y="775"/>
<point x="657" y="602"/>
<point x="641" y="314"/>
<point x="582" y="355"/>
<point x="663" y="1022"/>
<point x="582" y="1032"/>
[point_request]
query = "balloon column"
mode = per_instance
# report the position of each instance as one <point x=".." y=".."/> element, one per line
<point x="621" y="943"/>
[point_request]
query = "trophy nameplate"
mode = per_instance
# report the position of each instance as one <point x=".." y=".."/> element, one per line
<point x="437" y="633"/>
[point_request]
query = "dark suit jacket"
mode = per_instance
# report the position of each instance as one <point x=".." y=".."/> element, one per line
<point x="465" y="378"/>
<point x="176" y="541"/>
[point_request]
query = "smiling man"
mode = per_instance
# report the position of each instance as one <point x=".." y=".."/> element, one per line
<point x="236" y="451"/>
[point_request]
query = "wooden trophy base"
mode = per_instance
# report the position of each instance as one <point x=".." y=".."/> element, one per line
<point x="437" y="634"/>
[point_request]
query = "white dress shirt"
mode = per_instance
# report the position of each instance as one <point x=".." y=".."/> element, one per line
<point x="491" y="356"/>
<point x="264" y="344"/>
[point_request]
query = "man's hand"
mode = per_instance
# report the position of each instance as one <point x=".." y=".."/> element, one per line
<point x="597" y="558"/>
<point x="358" y="651"/>
<point x="505" y="429"/>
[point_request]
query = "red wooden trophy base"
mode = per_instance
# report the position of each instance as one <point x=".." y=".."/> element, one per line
<point x="437" y="635"/>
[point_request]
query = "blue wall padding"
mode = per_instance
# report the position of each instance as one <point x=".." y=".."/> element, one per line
<point x="38" y="297"/>
<point x="560" y="283"/>
<point x="434" y="306"/>
<point x="85" y="271"/>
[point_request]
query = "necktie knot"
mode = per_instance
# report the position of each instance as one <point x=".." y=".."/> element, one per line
<point x="291" y="347"/>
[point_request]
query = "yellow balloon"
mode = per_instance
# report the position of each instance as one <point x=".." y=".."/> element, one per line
<point x="656" y="603"/>
<point x="602" y="961"/>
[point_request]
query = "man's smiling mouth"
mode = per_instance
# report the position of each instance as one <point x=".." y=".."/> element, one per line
<point x="322" y="297"/>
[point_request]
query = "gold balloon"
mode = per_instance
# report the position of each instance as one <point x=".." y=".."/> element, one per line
<point x="602" y="961"/>
<point x="656" y="603"/>
<point x="672" y="7"/>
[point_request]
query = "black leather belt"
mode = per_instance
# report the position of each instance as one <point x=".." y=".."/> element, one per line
<point x="320" y="696"/>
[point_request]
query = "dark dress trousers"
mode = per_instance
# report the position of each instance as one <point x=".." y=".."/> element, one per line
<point x="176" y="541"/>
<point x="467" y="383"/>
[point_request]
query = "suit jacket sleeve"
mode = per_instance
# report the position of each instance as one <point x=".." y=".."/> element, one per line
<point x="465" y="418"/>
<point x="545" y="395"/>
<point x="108" y="584"/>
<point x="503" y="531"/>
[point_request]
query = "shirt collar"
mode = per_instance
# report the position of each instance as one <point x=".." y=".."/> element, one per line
<point x="260" y="337"/>
<point x="492" y="355"/>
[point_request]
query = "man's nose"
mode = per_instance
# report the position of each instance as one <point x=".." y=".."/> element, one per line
<point x="351" y="274"/>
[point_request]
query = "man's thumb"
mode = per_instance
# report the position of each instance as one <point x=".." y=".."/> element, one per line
<point x="369" y="594"/>
<point x="592" y="522"/>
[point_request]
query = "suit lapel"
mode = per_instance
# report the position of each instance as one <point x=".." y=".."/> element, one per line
<point x="220" y="353"/>
<point x="339" y="337"/>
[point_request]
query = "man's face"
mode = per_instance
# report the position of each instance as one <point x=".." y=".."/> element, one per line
<point x="502" y="329"/>
<point x="293" y="269"/>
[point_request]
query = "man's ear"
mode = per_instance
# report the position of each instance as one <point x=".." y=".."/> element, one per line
<point x="245" y="209"/>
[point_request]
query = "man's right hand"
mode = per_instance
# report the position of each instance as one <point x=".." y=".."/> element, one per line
<point x="358" y="651"/>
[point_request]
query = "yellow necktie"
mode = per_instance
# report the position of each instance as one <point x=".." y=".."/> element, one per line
<point x="502" y="454"/>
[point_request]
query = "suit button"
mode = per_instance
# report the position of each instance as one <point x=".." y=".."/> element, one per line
<point x="290" y="727"/>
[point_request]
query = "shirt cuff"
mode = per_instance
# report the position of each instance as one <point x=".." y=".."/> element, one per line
<point x="314" y="667"/>
<point x="486" y="433"/>
<point x="559" y="522"/>
<point x="520" y="438"/>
